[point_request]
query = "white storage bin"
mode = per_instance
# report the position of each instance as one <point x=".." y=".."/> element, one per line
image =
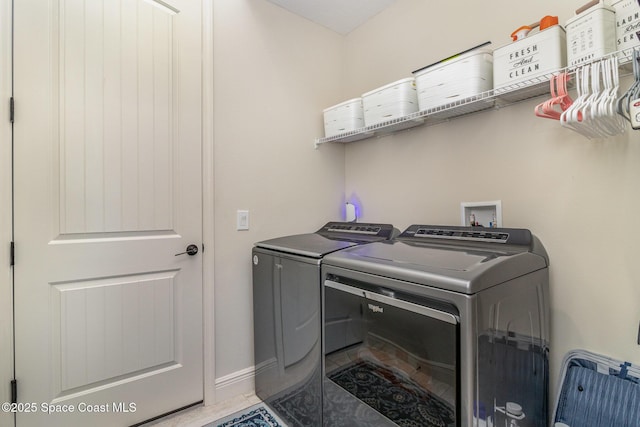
<point x="344" y="117"/>
<point x="455" y="79"/>
<point x="591" y="35"/>
<point x="535" y="55"/>
<point x="627" y="25"/>
<point x="395" y="100"/>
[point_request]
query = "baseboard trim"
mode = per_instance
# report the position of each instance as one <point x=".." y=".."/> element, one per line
<point x="237" y="383"/>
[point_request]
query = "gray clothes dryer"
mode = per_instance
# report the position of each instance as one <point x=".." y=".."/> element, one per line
<point x="442" y="326"/>
<point x="287" y="315"/>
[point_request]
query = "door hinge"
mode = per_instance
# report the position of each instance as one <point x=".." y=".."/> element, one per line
<point x="12" y="254"/>
<point x="14" y="391"/>
<point x="12" y="109"/>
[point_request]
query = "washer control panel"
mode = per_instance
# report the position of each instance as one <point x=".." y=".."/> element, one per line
<point x="511" y="236"/>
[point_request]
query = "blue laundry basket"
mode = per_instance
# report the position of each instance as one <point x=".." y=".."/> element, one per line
<point x="597" y="391"/>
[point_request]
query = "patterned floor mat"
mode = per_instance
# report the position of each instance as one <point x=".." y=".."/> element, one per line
<point x="255" y="416"/>
<point x="394" y="395"/>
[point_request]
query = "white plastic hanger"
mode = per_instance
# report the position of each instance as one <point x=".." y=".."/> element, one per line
<point x="589" y="124"/>
<point x="593" y="114"/>
<point x="610" y="122"/>
<point x="575" y="116"/>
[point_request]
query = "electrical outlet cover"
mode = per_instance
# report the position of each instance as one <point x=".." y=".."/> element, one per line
<point x="242" y="220"/>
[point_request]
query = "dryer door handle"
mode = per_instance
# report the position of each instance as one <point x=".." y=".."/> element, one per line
<point x="398" y="303"/>
<point x="415" y="308"/>
<point x="344" y="288"/>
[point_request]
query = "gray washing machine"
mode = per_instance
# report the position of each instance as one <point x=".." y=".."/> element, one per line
<point x="287" y="315"/>
<point x="443" y="326"/>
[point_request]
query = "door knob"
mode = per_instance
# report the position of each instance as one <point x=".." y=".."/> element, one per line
<point x="191" y="250"/>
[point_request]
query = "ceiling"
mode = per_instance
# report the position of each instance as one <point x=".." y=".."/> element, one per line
<point x="341" y="16"/>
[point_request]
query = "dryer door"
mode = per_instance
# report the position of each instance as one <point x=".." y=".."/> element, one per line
<point x="286" y="315"/>
<point x="300" y="308"/>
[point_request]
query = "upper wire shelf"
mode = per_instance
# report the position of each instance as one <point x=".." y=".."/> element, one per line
<point x="494" y="98"/>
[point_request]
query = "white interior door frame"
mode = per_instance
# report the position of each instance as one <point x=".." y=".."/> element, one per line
<point x="6" y="274"/>
<point x="208" y="188"/>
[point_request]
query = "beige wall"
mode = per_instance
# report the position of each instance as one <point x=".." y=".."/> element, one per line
<point x="273" y="74"/>
<point x="579" y="196"/>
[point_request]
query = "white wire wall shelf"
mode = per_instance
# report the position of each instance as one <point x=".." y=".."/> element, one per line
<point x="495" y="98"/>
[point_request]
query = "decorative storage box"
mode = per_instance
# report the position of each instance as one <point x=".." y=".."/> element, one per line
<point x="533" y="56"/>
<point x="395" y="100"/>
<point x="455" y="79"/>
<point x="591" y="34"/>
<point x="627" y="25"/>
<point x="344" y="117"/>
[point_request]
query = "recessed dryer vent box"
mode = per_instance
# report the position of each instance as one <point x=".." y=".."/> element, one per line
<point x="486" y="214"/>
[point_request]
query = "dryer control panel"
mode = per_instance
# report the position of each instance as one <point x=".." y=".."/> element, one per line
<point x="356" y="230"/>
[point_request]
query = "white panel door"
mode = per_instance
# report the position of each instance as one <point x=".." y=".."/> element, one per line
<point x="107" y="163"/>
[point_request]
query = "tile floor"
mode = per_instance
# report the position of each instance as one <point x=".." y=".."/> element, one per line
<point x="201" y="415"/>
<point x="436" y="379"/>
